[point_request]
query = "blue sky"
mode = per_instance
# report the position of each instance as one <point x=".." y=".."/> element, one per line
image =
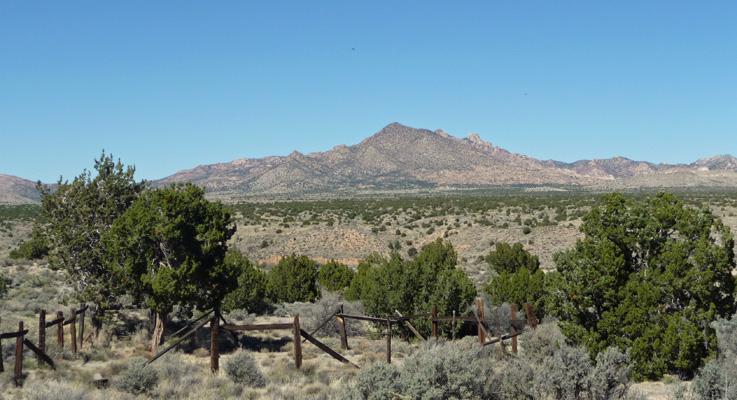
<point x="171" y="85"/>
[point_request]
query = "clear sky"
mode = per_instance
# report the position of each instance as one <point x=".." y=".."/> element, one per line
<point x="168" y="86"/>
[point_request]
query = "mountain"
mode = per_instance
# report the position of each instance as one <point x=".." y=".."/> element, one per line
<point x="401" y="158"/>
<point x="14" y="190"/>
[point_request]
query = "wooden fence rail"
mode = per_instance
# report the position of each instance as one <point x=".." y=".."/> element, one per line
<point x="40" y="349"/>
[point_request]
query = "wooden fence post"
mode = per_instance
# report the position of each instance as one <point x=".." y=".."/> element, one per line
<point x="42" y="330"/>
<point x="513" y="316"/>
<point x="214" y="343"/>
<point x="81" y="325"/>
<point x="341" y="328"/>
<point x="73" y="332"/>
<point x="502" y="349"/>
<point x="388" y="340"/>
<point x="434" y="322"/>
<point x="531" y="321"/>
<point x="60" y="330"/>
<point x="19" y="355"/>
<point x="2" y="368"/>
<point x="297" y="343"/>
<point x="480" y="314"/>
<point x="453" y="326"/>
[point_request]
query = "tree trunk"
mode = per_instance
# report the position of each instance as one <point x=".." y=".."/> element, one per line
<point x="98" y="316"/>
<point x="158" y="334"/>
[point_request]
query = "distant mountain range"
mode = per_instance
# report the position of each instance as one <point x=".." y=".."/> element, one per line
<point x="400" y="158"/>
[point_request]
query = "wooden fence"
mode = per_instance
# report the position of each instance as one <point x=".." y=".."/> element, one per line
<point x="300" y="336"/>
<point x="213" y="317"/>
<point x="40" y="350"/>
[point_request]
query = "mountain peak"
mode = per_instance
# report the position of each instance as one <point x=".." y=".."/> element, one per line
<point x="720" y="161"/>
<point x="475" y="138"/>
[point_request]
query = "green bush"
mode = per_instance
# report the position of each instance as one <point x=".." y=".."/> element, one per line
<point x="293" y="279"/>
<point x="34" y="249"/>
<point x="140" y="378"/>
<point x="648" y="276"/>
<point x="335" y="276"/>
<point x="414" y="286"/>
<point x="520" y="278"/>
<point x="251" y="290"/>
<point x="242" y="368"/>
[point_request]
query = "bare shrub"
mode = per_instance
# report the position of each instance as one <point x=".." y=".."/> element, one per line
<point x="446" y="370"/>
<point x="53" y="390"/>
<point x="377" y="382"/>
<point x="314" y="315"/>
<point x="242" y="368"/>
<point x="140" y="378"/>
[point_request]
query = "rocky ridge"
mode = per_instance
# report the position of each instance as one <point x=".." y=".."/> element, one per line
<point x="404" y="158"/>
<point x="401" y="158"/>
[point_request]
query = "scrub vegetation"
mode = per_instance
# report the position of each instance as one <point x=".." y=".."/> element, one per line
<point x="644" y="292"/>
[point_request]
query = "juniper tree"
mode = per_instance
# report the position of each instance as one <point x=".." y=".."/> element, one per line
<point x="78" y="214"/>
<point x="649" y="277"/>
<point x="169" y="249"/>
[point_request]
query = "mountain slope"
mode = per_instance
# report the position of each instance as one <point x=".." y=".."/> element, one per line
<point x="14" y="190"/>
<point x="401" y="157"/>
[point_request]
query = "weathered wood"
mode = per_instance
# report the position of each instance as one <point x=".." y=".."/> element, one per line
<point x="325" y="348"/>
<point x="180" y="340"/>
<point x="518" y="324"/>
<point x="297" y="343"/>
<point x="531" y="321"/>
<point x="259" y="327"/>
<point x="452" y="319"/>
<point x="453" y="327"/>
<point x="414" y="316"/>
<point x="502" y="349"/>
<point x="60" y="330"/>
<point x="232" y="334"/>
<point x="435" y="322"/>
<point x="42" y="330"/>
<point x="188" y="325"/>
<point x="73" y="333"/>
<point x="40" y="353"/>
<point x="408" y="325"/>
<point x="81" y="314"/>
<point x="82" y="310"/>
<point x="2" y="367"/>
<point x="325" y="321"/>
<point x="19" y="354"/>
<point x="54" y="322"/>
<point x="513" y="316"/>
<point x="341" y="330"/>
<point x="483" y="331"/>
<point x="362" y="318"/>
<point x="214" y="345"/>
<point x="388" y="340"/>
<point x="480" y="320"/>
<point x="504" y="337"/>
<point x="10" y="335"/>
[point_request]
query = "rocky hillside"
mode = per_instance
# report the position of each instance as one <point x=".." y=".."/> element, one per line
<point x="400" y="157"/>
<point x="14" y="190"/>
